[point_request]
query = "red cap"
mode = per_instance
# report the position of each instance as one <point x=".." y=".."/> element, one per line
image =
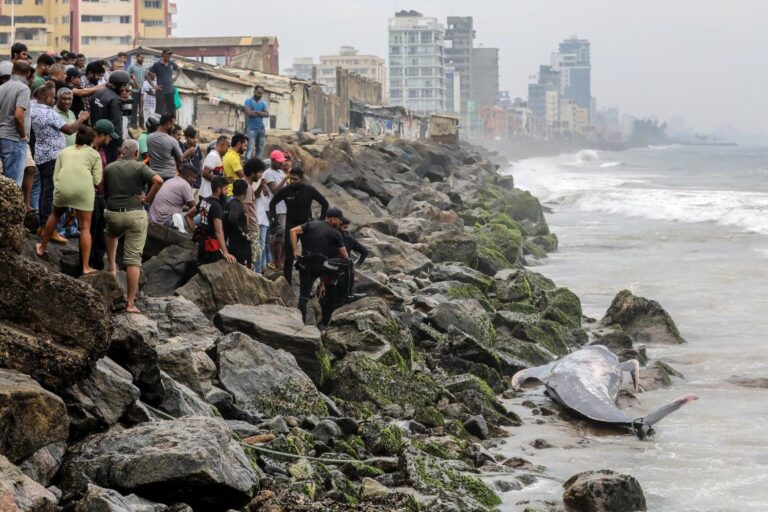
<point x="277" y="156"/>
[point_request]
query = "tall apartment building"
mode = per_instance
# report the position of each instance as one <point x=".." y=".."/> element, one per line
<point x="369" y="66"/>
<point x="97" y="28"/>
<point x="485" y="76"/>
<point x="302" y="68"/>
<point x="459" y="39"/>
<point x="573" y="62"/>
<point x="416" y="63"/>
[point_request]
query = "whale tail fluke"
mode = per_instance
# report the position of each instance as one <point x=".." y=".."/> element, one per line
<point x="644" y="426"/>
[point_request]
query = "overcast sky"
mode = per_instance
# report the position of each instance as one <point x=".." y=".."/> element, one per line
<point x="702" y="60"/>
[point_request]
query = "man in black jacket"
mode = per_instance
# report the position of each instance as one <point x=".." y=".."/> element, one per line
<point x="298" y="197"/>
<point x="236" y="225"/>
<point x="106" y="104"/>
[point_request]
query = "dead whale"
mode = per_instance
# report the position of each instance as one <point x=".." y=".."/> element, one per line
<point x="587" y="381"/>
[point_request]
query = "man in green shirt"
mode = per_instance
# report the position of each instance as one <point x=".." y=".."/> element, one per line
<point x="125" y="182"/>
<point x="44" y="63"/>
<point x="62" y="107"/>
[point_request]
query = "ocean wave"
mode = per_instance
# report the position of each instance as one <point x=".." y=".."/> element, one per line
<point x="662" y="147"/>
<point x="587" y="155"/>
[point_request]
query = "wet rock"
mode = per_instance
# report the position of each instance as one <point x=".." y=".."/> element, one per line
<point x="60" y="258"/>
<point x="219" y="284"/>
<point x="475" y="394"/>
<point x="108" y="287"/>
<point x="98" y="499"/>
<point x="392" y="255"/>
<point x="134" y="347"/>
<point x="466" y="315"/>
<point x="541" y="444"/>
<point x="98" y="401"/>
<point x="326" y="431"/>
<point x="33" y="338"/>
<point x="179" y="400"/>
<point x="169" y="270"/>
<point x="43" y="464"/>
<point x="643" y="319"/>
<point x="20" y="493"/>
<point x="263" y="379"/>
<point x="658" y="375"/>
<point x="178" y="316"/>
<point x="370" y="488"/>
<point x="531" y="327"/>
<point x="365" y="325"/>
<point x="477" y="427"/>
<point x="453" y="272"/>
<point x="459" y="247"/>
<point x="749" y="382"/>
<point x="179" y="359"/>
<point x="12" y="233"/>
<point x="160" y="237"/>
<point x="279" y="327"/>
<point x="371" y="284"/>
<point x="191" y="459"/>
<point x="603" y="491"/>
<point x="30" y="416"/>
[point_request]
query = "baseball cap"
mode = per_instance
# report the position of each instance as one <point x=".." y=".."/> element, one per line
<point x="73" y="72"/>
<point x="106" y="126"/>
<point x="6" y="68"/>
<point x="167" y="51"/>
<point x="277" y="156"/>
<point x="334" y="212"/>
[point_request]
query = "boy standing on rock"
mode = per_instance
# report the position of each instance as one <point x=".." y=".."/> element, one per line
<point x="211" y="245"/>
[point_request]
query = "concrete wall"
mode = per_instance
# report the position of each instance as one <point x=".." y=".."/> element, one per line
<point x="444" y="129"/>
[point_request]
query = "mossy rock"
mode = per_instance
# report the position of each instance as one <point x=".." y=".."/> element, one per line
<point x="561" y="305"/>
<point x="444" y="447"/>
<point x="643" y="319"/>
<point x="521" y="205"/>
<point x="468" y="316"/>
<point x="531" y="249"/>
<point x="506" y="240"/>
<point x="522" y="285"/>
<point x="478" y="396"/>
<point x="429" y="416"/>
<point x="386" y="440"/>
<point x="468" y="291"/>
<point x="548" y="243"/>
<point x="490" y="260"/>
<point x="454" y="248"/>
<point x="527" y="353"/>
<point x="516" y="307"/>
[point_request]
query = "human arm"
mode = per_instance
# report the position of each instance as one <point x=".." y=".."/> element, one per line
<point x="343" y="253"/>
<point x="69" y="129"/>
<point x="18" y="119"/>
<point x="218" y="226"/>
<point x="321" y="200"/>
<point x="154" y="187"/>
<point x="97" y="171"/>
<point x="275" y="186"/>
<point x="176" y="151"/>
<point x="88" y="91"/>
<point x="249" y="111"/>
<point x="294" y="236"/>
<point x="273" y="203"/>
<point x="176" y="72"/>
<point x="190" y="216"/>
<point x="357" y="247"/>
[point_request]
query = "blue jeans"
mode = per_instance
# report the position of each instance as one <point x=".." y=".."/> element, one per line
<point x="255" y="143"/>
<point x="13" y="154"/>
<point x="37" y="190"/>
<point x="265" y="256"/>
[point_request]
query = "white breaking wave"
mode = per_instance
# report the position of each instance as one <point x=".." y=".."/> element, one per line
<point x="587" y="155"/>
<point x="590" y="188"/>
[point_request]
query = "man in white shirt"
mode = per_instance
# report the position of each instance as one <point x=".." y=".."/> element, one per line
<point x="212" y="165"/>
<point x="275" y="178"/>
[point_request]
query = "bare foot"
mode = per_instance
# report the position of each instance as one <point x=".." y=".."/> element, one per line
<point x="89" y="270"/>
<point x="132" y="309"/>
<point x="39" y="250"/>
<point x="113" y="271"/>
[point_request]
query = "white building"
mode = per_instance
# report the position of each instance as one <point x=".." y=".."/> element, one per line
<point x="416" y="63"/>
<point x="369" y="66"/>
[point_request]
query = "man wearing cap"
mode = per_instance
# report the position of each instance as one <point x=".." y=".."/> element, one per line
<point x="298" y="197"/>
<point x="323" y="255"/>
<point x="166" y="72"/>
<point x="107" y="105"/>
<point x="105" y="134"/>
<point x="275" y="178"/>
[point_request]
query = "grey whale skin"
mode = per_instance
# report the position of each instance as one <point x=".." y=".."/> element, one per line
<point x="588" y="380"/>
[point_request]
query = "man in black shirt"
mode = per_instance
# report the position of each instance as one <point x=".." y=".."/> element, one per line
<point x="323" y="255"/>
<point x="107" y="105"/>
<point x="236" y="225"/>
<point x="298" y="197"/>
<point x="211" y="245"/>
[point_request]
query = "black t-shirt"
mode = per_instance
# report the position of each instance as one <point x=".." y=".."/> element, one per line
<point x="319" y="237"/>
<point x="210" y="209"/>
<point x="298" y="202"/>
<point x="106" y="104"/>
<point x="235" y="223"/>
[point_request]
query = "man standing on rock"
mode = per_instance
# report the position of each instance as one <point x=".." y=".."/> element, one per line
<point x="276" y="179"/>
<point x="256" y="111"/>
<point x="14" y="122"/>
<point x="323" y="255"/>
<point x="211" y="245"/>
<point x="124" y="183"/>
<point x="298" y="197"/>
<point x="166" y="71"/>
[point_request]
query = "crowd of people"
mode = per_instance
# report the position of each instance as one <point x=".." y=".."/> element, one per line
<point x="65" y="139"/>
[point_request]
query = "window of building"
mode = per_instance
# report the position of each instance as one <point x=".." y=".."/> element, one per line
<point x="153" y="23"/>
<point x="65" y="20"/>
<point x="9" y="2"/>
<point x="4" y="38"/>
<point x="395" y="50"/>
<point x="38" y="2"/>
<point x="153" y="4"/>
<point x="426" y="37"/>
<point x="125" y="40"/>
<point x="125" y="19"/>
<point x="89" y="18"/>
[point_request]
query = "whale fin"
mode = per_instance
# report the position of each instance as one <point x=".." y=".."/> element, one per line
<point x="633" y="367"/>
<point x="644" y="426"/>
<point x="539" y="373"/>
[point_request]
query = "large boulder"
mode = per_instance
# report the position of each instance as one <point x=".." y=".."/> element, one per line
<point x="180" y="359"/>
<point x="461" y="273"/>
<point x="34" y="338"/>
<point x="392" y="255"/>
<point x="179" y="400"/>
<point x="160" y="237"/>
<point x="19" y="493"/>
<point x="219" y="284"/>
<point x="643" y="319"/>
<point x="195" y="460"/>
<point x="179" y="316"/>
<point x="30" y="416"/>
<point x="169" y="270"/>
<point x="12" y="232"/>
<point x="264" y="380"/>
<point x="466" y="315"/>
<point x="98" y="401"/>
<point x="99" y="499"/>
<point x="134" y="346"/>
<point x="43" y="464"/>
<point x="279" y="327"/>
<point x="603" y="491"/>
<point x="108" y="287"/>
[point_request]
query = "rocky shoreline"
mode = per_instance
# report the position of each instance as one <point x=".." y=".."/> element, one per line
<point x="218" y="397"/>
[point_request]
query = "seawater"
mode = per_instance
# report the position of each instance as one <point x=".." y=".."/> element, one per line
<point x="687" y="226"/>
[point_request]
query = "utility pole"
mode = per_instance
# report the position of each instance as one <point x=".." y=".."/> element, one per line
<point x="13" y="21"/>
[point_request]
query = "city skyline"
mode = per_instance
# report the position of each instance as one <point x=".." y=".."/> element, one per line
<point x="658" y="59"/>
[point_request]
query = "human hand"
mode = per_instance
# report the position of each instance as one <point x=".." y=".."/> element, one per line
<point x="84" y="115"/>
<point x="230" y="258"/>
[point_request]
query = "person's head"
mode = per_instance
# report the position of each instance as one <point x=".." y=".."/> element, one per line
<point x="21" y="68"/>
<point x="19" y="51"/>
<point x="73" y="76"/>
<point x="118" y="65"/>
<point x="70" y="58"/>
<point x="333" y="217"/>
<point x="296" y="176"/>
<point x="167" y="123"/>
<point x="80" y="61"/>
<point x="129" y="150"/>
<point x="222" y="144"/>
<point x="122" y="57"/>
<point x="118" y="80"/>
<point x="105" y="132"/>
<point x="6" y="68"/>
<point x="254" y="168"/>
<point x="258" y="92"/>
<point x="239" y="188"/>
<point x="44" y="63"/>
<point x="177" y="132"/>
<point x="46" y="95"/>
<point x="149" y="76"/>
<point x="85" y="136"/>
<point x="276" y="159"/>
<point x="152" y="123"/>
<point x="58" y="72"/>
<point x="239" y="142"/>
<point x="139" y="59"/>
<point x="166" y="55"/>
<point x="189" y="173"/>
<point x="94" y="71"/>
<point x="219" y="186"/>
<point x="190" y="135"/>
<point x="344" y="226"/>
<point x="64" y="99"/>
<point x="288" y="164"/>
